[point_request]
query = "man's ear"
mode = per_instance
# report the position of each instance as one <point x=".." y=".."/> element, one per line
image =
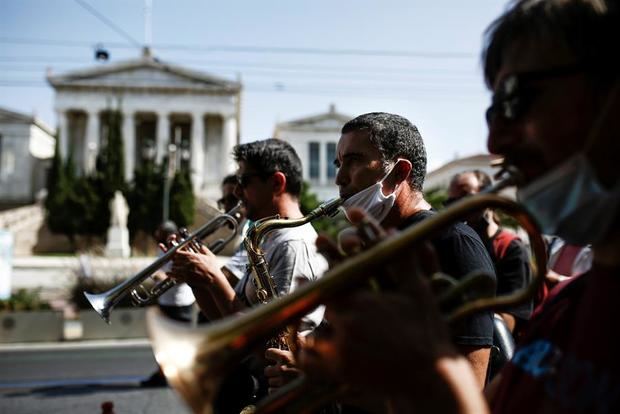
<point x="279" y="182"/>
<point x="403" y="170"/>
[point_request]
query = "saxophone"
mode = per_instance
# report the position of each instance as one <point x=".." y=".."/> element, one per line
<point x="263" y="282"/>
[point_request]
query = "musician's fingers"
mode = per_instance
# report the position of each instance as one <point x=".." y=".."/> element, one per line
<point x="162" y="247"/>
<point x="328" y="249"/>
<point x="349" y="242"/>
<point x="370" y="228"/>
<point x="280" y="356"/>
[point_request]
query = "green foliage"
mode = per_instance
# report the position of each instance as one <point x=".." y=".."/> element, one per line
<point x="144" y="199"/>
<point x="56" y="172"/>
<point x="307" y="201"/>
<point x="110" y="161"/>
<point x="24" y="300"/>
<point x="182" y="200"/>
<point x="436" y="197"/>
<point x="62" y="203"/>
<point x="327" y="225"/>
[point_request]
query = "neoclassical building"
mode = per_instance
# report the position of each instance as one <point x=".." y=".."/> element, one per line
<point x="314" y="139"/>
<point x="161" y="104"/>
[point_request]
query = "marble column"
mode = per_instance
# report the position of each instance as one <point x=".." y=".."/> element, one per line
<point x="92" y="147"/>
<point x="322" y="163"/>
<point x="129" y="138"/>
<point x="163" y="135"/>
<point x="197" y="148"/>
<point x="63" y="133"/>
<point x="229" y="140"/>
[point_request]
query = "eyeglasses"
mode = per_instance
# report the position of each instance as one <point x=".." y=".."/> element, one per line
<point x="243" y="180"/>
<point x="513" y="96"/>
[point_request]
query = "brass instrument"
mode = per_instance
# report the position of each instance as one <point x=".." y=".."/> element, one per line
<point x="195" y="362"/>
<point x="104" y="302"/>
<point x="262" y="280"/>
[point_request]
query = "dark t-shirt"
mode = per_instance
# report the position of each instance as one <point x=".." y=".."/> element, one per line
<point x="512" y="268"/>
<point x="567" y="360"/>
<point x="461" y="252"/>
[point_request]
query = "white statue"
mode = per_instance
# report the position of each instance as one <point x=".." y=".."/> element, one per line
<point x="118" y="235"/>
<point x="119" y="210"/>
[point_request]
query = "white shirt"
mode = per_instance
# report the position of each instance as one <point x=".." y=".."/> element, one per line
<point x="293" y="259"/>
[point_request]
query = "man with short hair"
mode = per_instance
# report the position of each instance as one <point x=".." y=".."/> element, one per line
<point x="268" y="183"/>
<point x="381" y="163"/>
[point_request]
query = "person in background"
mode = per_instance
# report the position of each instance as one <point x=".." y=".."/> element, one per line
<point x="509" y="254"/>
<point x="176" y="303"/>
<point x="236" y="266"/>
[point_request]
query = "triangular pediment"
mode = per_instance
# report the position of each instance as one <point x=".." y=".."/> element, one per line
<point x="331" y="120"/>
<point x="144" y="73"/>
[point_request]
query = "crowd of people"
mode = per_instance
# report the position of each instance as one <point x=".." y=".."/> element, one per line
<point x="553" y="73"/>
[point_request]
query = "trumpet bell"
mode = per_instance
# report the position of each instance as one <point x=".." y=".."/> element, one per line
<point x="185" y="359"/>
<point x="100" y="303"/>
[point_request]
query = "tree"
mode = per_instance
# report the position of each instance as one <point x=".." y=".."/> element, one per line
<point x="110" y="161"/>
<point x="182" y="200"/>
<point x="61" y="204"/>
<point x="327" y="225"/>
<point x="436" y="197"/>
<point x="56" y="172"/>
<point x="144" y="198"/>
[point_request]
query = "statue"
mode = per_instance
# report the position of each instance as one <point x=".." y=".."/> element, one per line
<point x="118" y="235"/>
<point x="119" y="210"/>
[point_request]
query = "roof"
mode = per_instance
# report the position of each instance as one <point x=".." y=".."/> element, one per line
<point x="103" y="77"/>
<point x="9" y="116"/>
<point x="484" y="159"/>
<point x="326" y="121"/>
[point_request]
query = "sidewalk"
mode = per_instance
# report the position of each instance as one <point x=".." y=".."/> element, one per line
<point x="68" y="345"/>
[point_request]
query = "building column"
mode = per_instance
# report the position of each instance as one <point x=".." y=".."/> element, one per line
<point x="63" y="133"/>
<point x="163" y="136"/>
<point x="92" y="147"/>
<point x="197" y="148"/>
<point x="322" y="163"/>
<point x="129" y="138"/>
<point x="229" y="140"/>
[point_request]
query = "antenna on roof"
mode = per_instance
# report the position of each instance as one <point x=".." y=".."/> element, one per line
<point x="148" y="24"/>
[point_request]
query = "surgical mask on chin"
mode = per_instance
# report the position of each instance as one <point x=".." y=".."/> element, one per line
<point x="571" y="203"/>
<point x="372" y="200"/>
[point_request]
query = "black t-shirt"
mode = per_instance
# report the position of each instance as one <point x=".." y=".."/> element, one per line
<point x="461" y="252"/>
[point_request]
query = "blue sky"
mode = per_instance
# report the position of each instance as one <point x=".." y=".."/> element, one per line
<point x="420" y="59"/>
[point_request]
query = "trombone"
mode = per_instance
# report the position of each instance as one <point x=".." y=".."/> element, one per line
<point x="103" y="303"/>
<point x="196" y="361"/>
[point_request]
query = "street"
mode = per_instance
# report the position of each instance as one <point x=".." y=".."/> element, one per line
<point x="78" y="378"/>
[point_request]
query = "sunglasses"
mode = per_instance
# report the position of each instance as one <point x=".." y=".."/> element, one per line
<point x="514" y="94"/>
<point x="243" y="180"/>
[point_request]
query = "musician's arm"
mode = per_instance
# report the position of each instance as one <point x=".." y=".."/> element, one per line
<point x="478" y="358"/>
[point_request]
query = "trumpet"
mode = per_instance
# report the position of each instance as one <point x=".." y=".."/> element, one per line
<point x="196" y="362"/>
<point x="103" y="303"/>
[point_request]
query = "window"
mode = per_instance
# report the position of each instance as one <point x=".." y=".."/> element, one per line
<point x="314" y="160"/>
<point x="331" y="156"/>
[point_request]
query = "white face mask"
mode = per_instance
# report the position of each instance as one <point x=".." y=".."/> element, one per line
<point x="571" y="203"/>
<point x="372" y="200"/>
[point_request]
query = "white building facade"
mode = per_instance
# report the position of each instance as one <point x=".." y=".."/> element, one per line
<point x="440" y="177"/>
<point x="161" y="104"/>
<point x="314" y="139"/>
<point x="26" y="150"/>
